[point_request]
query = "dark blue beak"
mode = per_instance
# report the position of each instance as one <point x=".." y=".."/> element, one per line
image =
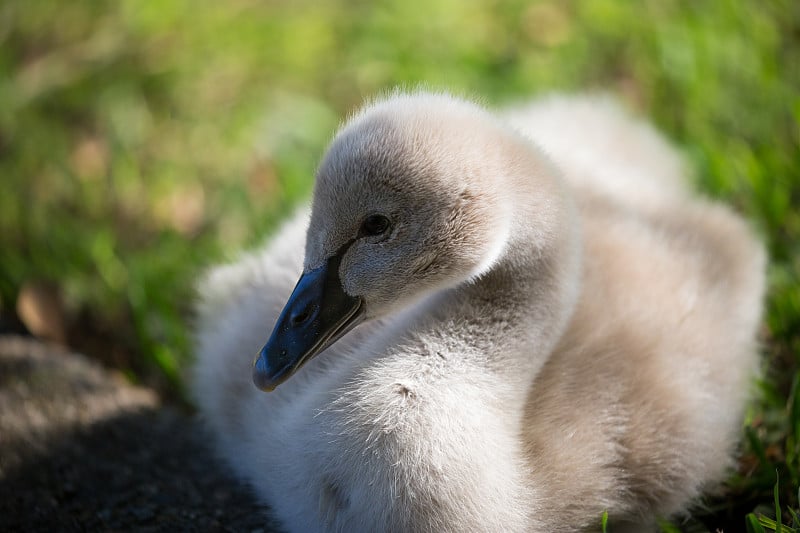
<point x="317" y="314"/>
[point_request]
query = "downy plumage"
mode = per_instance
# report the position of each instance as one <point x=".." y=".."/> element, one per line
<point x="551" y="325"/>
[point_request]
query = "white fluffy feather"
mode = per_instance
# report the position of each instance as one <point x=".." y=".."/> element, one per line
<point x="611" y="375"/>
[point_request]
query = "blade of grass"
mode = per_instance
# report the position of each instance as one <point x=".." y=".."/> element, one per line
<point x="777" y="495"/>
<point x="795" y="519"/>
<point x="773" y="525"/>
<point x="753" y="524"/>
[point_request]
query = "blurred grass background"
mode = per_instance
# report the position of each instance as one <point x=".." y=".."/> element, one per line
<point x="141" y="142"/>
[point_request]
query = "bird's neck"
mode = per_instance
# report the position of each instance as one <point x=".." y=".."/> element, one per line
<point x="523" y="304"/>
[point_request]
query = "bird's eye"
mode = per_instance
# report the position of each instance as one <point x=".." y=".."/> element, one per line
<point x="375" y="225"/>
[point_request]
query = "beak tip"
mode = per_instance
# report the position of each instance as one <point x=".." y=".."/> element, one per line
<point x="261" y="374"/>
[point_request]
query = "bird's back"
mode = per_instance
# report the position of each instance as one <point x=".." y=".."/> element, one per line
<point x="643" y="398"/>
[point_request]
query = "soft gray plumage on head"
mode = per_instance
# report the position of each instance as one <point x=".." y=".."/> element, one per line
<point x="423" y="164"/>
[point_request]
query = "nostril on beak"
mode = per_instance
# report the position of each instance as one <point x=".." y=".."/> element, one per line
<point x="302" y="316"/>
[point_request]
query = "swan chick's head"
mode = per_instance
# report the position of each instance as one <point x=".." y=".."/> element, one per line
<point x="410" y="198"/>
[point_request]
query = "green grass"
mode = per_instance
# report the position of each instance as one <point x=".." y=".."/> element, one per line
<point x="143" y="141"/>
<point x="759" y="523"/>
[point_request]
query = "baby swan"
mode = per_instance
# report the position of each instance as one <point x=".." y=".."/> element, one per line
<point x="537" y="344"/>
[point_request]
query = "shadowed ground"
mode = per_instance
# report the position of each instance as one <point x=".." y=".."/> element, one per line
<point x="81" y="450"/>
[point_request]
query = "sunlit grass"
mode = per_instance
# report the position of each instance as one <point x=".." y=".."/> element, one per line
<point x="143" y="141"/>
